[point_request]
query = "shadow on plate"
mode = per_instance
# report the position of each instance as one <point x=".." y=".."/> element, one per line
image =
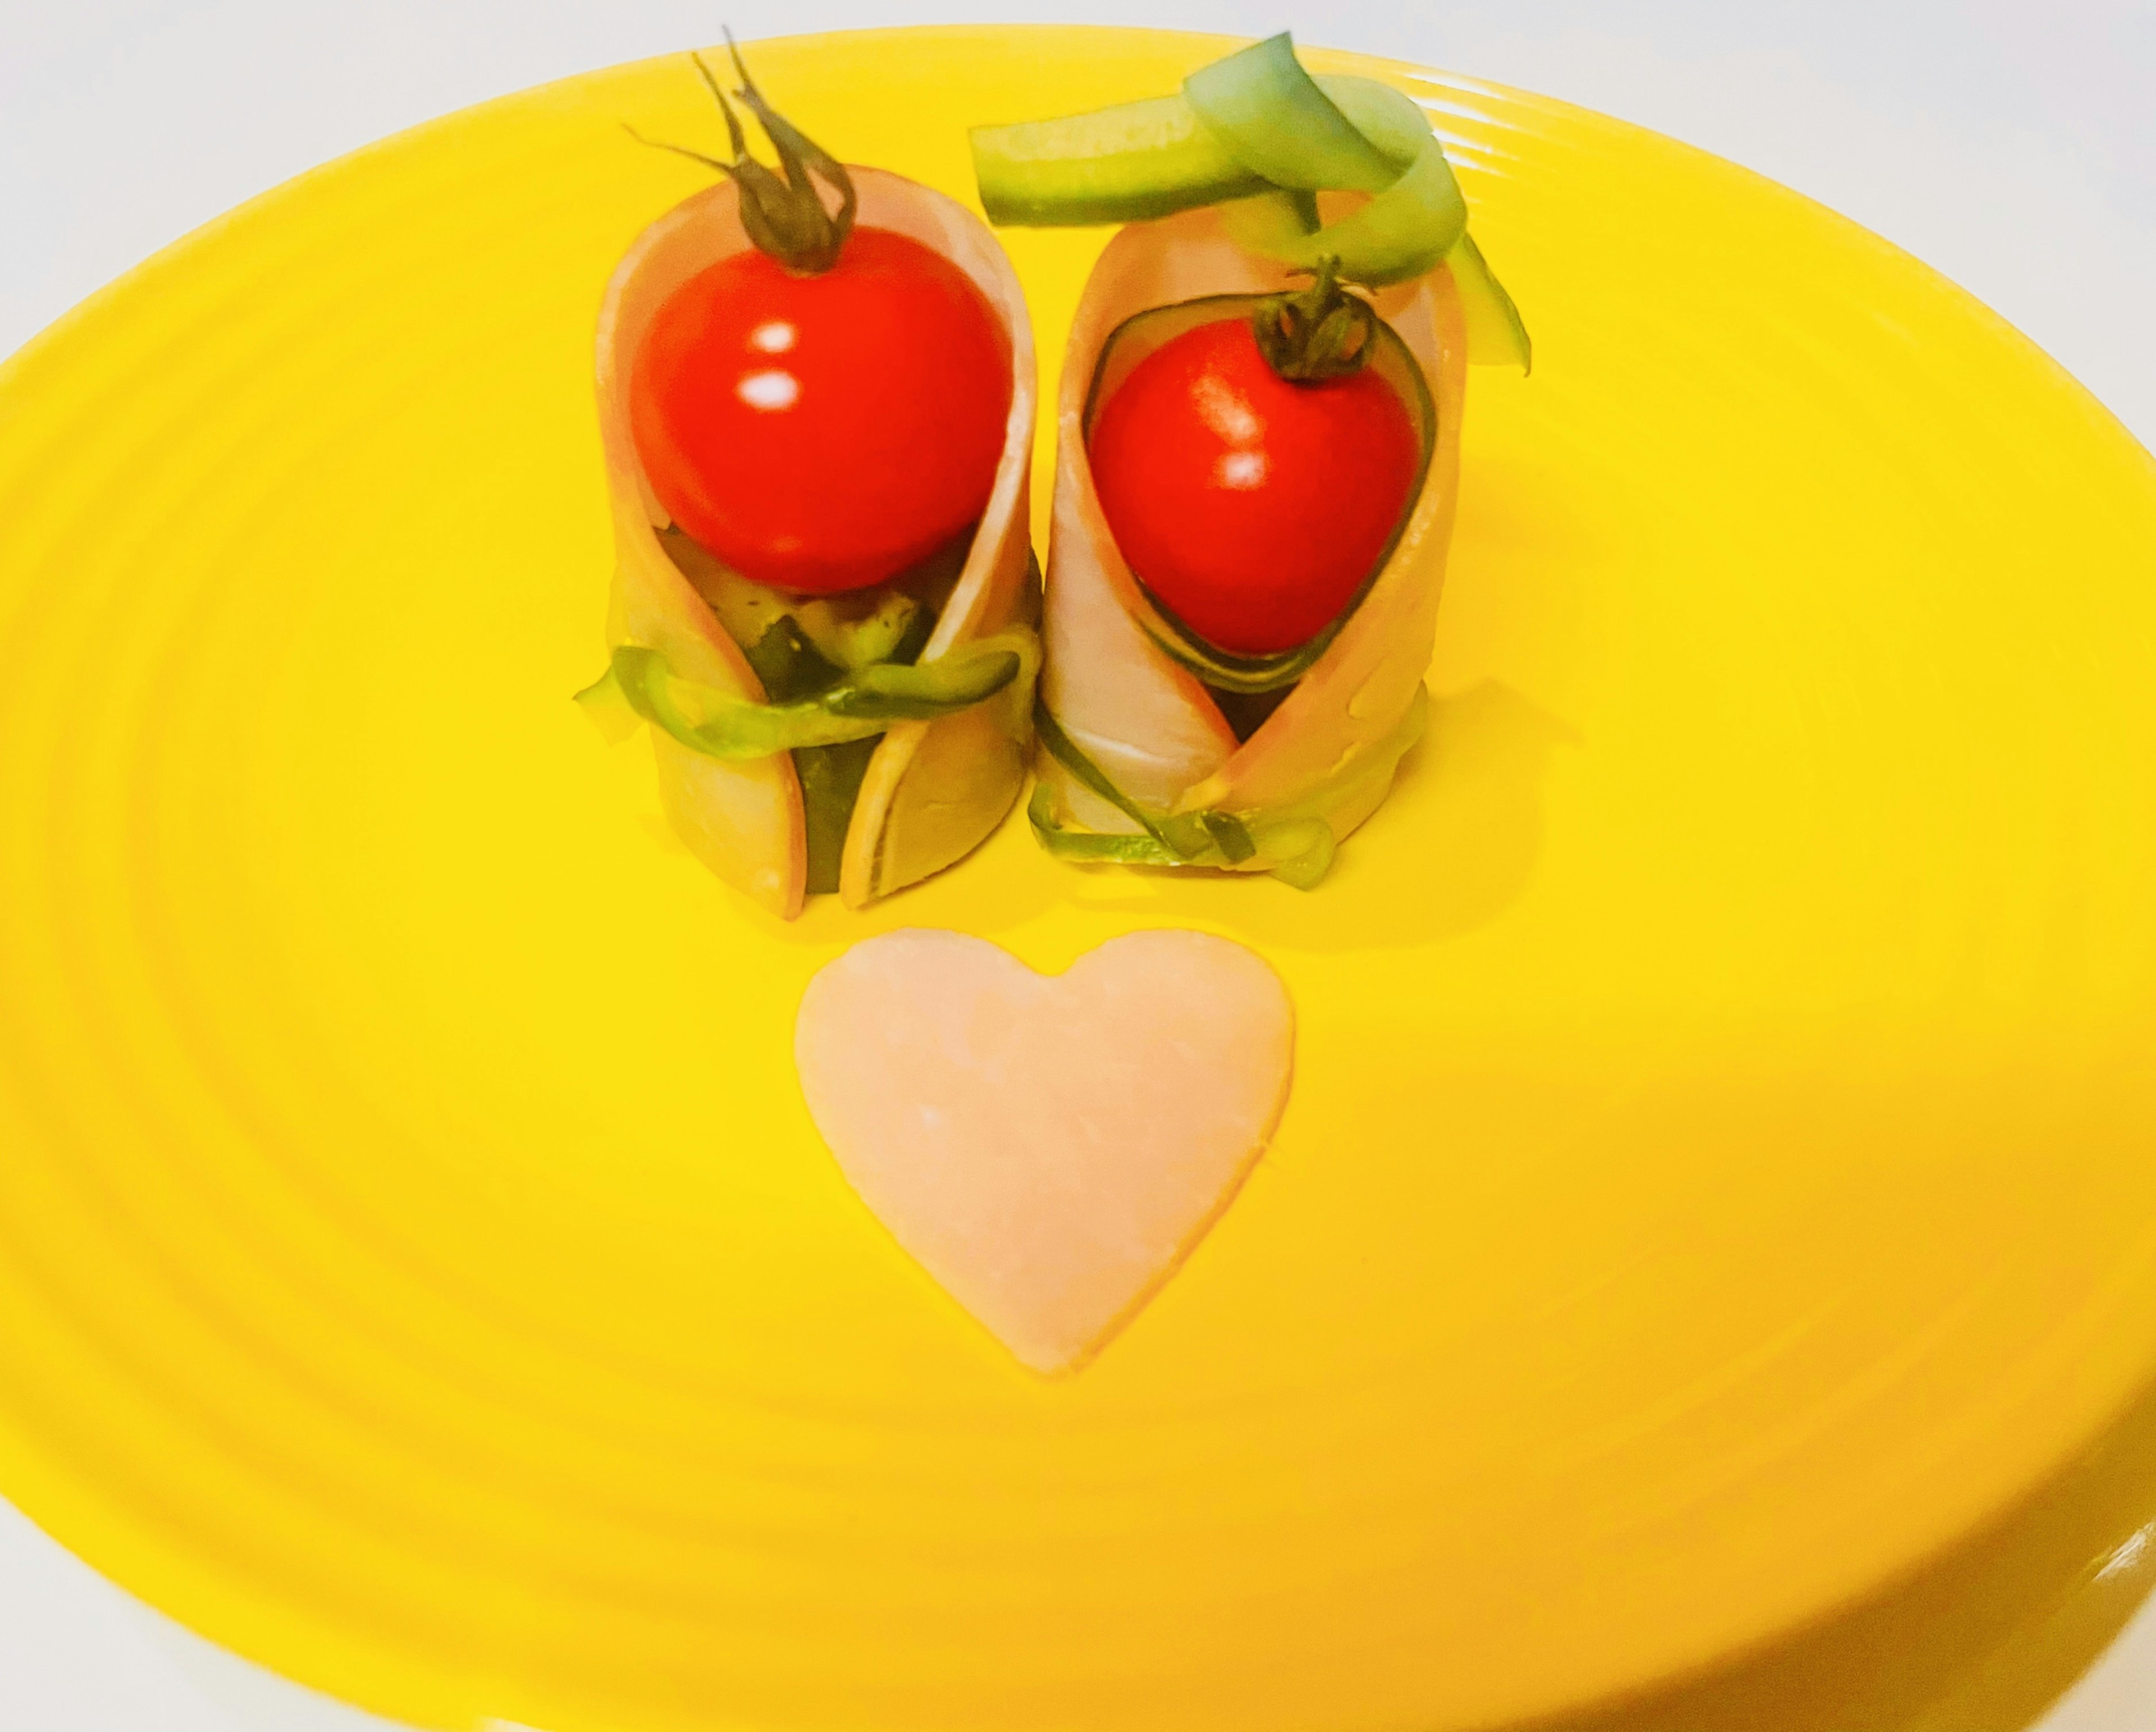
<point x="1986" y="1637"/>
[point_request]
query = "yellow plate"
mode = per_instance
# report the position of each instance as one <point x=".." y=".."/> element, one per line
<point x="1718" y="1173"/>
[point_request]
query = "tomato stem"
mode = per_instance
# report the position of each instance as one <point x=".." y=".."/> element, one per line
<point x="785" y="218"/>
<point x="1321" y="332"/>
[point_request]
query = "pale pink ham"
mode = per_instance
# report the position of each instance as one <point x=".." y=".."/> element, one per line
<point x="1049" y="1148"/>
<point x="934" y="789"/>
<point x="1145" y="721"/>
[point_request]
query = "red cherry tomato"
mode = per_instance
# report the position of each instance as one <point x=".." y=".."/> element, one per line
<point x="1251" y="506"/>
<point x="821" y="434"/>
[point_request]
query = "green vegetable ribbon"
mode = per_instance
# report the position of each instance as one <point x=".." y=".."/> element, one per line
<point x="639" y="684"/>
<point x="1295" y="845"/>
<point x="1349" y="134"/>
<point x="1258" y="135"/>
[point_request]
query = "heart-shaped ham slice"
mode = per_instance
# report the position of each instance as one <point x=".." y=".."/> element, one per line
<point x="1049" y="1147"/>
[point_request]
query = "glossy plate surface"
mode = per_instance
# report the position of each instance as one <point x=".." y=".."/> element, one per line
<point x="1718" y="1171"/>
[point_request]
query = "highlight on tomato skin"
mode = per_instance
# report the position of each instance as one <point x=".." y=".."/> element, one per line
<point x="1252" y="507"/>
<point x="824" y="433"/>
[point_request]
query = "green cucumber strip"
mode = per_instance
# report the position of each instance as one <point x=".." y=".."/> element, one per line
<point x="1138" y="336"/>
<point x="1088" y="847"/>
<point x="1496" y="335"/>
<point x="858" y="639"/>
<point x="830" y="777"/>
<point x="1250" y="125"/>
<point x="1295" y="845"/>
<point x="888" y="622"/>
<point x="1270" y="221"/>
<point x="1229" y="835"/>
<point x="1126" y="164"/>
<point x="889" y="692"/>
<point x="719" y="726"/>
<point x="1297" y="850"/>
<point x="919" y="627"/>
<point x="1302" y="851"/>
<point x="1061" y="747"/>
<point x="748" y="610"/>
<point x="1280" y="125"/>
<point x="1391" y="119"/>
<point x="1404" y="231"/>
<point x="788" y="665"/>
<point x="608" y="705"/>
<point x="865" y="703"/>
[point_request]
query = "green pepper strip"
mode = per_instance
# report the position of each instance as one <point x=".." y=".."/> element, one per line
<point x="865" y="702"/>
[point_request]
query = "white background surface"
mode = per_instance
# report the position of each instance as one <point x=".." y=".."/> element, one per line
<point x="2013" y="145"/>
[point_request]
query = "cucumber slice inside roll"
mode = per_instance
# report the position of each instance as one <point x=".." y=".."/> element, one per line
<point x="862" y="703"/>
<point x="1294" y="842"/>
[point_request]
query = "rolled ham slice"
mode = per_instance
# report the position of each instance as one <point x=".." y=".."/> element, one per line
<point x="933" y="789"/>
<point x="1145" y="721"/>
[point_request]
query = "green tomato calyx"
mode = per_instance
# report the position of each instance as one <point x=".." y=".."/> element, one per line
<point x="785" y="215"/>
<point x="1321" y="332"/>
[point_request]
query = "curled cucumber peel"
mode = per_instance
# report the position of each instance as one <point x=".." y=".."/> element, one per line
<point x="1279" y="124"/>
<point x="1256" y="133"/>
<point x="1299" y="851"/>
<point x="638" y="685"/>
<point x="1127" y="164"/>
<point x="1295" y="844"/>
<point x="1496" y="335"/>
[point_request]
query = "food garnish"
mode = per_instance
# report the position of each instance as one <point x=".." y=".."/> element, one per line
<point x="1256" y="134"/>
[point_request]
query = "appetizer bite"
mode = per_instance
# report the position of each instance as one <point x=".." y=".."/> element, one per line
<point x="1259" y="441"/>
<point x="816" y="394"/>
